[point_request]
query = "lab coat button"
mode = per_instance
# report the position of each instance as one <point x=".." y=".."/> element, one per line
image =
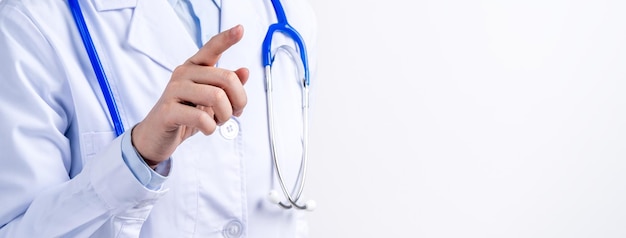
<point x="233" y="229"/>
<point x="230" y="129"/>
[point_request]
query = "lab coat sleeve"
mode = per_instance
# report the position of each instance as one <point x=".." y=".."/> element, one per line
<point x="37" y="196"/>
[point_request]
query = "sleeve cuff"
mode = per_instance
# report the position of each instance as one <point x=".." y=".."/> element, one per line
<point x="151" y="179"/>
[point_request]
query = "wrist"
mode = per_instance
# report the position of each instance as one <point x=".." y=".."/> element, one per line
<point x="134" y="138"/>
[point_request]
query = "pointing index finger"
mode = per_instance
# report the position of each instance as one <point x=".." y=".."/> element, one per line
<point x="210" y="53"/>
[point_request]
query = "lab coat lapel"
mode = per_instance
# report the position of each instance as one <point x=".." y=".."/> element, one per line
<point x="156" y="31"/>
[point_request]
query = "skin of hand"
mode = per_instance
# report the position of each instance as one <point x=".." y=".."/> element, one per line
<point x="198" y="97"/>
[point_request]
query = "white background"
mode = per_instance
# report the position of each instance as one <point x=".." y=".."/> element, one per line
<point x="467" y="118"/>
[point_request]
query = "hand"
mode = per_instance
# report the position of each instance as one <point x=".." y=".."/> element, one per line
<point x="198" y="97"/>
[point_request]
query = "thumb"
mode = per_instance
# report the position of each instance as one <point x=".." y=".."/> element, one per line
<point x="211" y="52"/>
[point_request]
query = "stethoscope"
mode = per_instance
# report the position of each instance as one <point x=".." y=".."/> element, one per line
<point x="301" y="59"/>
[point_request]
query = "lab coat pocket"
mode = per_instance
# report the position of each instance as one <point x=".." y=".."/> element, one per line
<point x="93" y="142"/>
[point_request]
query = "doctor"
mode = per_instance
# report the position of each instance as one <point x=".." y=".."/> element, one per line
<point x="193" y="158"/>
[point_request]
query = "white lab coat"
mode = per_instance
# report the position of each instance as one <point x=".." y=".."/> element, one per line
<point x="61" y="171"/>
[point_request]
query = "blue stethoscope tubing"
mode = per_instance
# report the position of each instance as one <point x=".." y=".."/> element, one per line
<point x="97" y="67"/>
<point x="281" y="26"/>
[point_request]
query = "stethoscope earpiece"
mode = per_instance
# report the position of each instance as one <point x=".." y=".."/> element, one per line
<point x="273" y="197"/>
<point x="310" y="205"/>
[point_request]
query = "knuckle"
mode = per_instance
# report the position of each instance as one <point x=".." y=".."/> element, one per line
<point x="174" y="84"/>
<point x="219" y="95"/>
<point x="229" y="77"/>
<point x="202" y="117"/>
<point x="179" y="72"/>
